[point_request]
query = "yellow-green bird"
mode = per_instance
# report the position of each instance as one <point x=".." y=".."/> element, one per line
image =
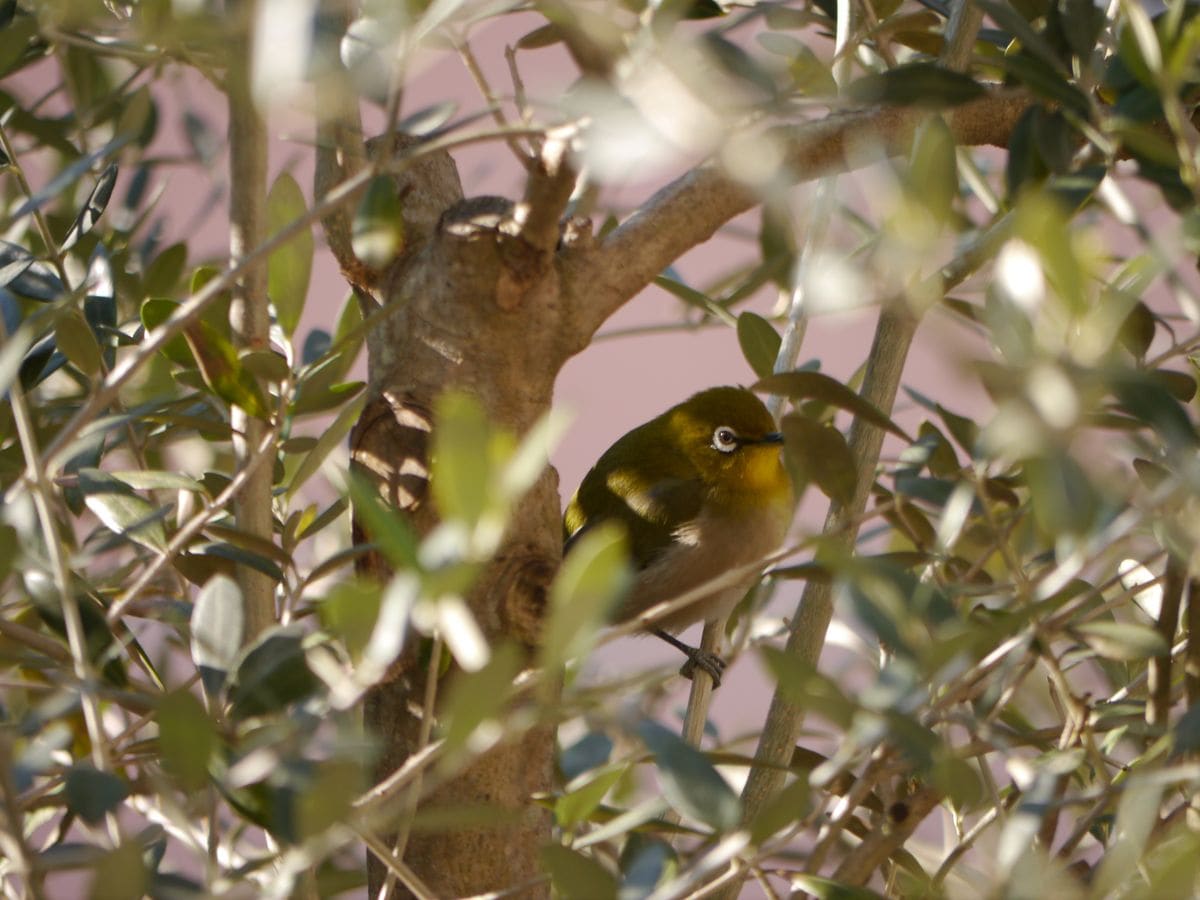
<point x="701" y="490"/>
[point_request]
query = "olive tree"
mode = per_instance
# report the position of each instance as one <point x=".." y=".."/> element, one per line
<point x="233" y="663"/>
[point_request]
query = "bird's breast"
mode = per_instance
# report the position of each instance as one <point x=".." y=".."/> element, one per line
<point x="703" y="551"/>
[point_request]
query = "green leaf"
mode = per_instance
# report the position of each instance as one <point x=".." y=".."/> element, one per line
<point x="1144" y="396"/>
<point x="1179" y="385"/>
<point x="475" y="697"/>
<point x="1137" y="817"/>
<point x="290" y="265"/>
<point x="823" y="456"/>
<point x="807" y="385"/>
<point x="1064" y="501"/>
<point x="527" y="463"/>
<point x="827" y="889"/>
<point x="265" y="364"/>
<point x="1137" y="331"/>
<point x="349" y="611"/>
<point x="217" y="626"/>
<point x="644" y="862"/>
<point x="162" y="276"/>
<point x="1185" y="736"/>
<point x="330" y="439"/>
<point x="386" y="525"/>
<point x="153" y="480"/>
<point x="459" y="471"/>
<point x="1005" y="15"/>
<point x="93" y="208"/>
<point x="154" y="312"/>
<point x="75" y="338"/>
<point x="120" y="874"/>
<point x="1047" y="81"/>
<point x="14" y="260"/>
<point x="759" y="342"/>
<point x="581" y="797"/>
<point x="92" y="794"/>
<point x="575" y="876"/>
<point x="693" y="297"/>
<point x="916" y="84"/>
<point x="186" y="738"/>
<point x="592" y="578"/>
<point x="933" y="170"/>
<point x="1123" y="640"/>
<point x="326" y="800"/>
<point x="689" y="781"/>
<point x="544" y="36"/>
<point x="272" y="674"/>
<point x="377" y="233"/>
<point x="122" y="511"/>
<point x="223" y="371"/>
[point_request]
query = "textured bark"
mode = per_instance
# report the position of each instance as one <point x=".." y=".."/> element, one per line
<point x="470" y="305"/>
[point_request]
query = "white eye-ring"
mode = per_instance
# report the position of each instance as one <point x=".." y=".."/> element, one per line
<point x="725" y="439"/>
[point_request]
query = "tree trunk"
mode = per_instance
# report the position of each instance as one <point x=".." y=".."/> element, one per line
<point x="473" y="306"/>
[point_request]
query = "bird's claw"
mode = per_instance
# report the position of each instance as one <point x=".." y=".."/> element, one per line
<point x="707" y="661"/>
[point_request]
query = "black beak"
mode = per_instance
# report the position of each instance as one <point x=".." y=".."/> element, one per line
<point x="775" y="437"/>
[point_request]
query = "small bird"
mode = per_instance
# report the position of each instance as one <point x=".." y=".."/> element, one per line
<point x="701" y="490"/>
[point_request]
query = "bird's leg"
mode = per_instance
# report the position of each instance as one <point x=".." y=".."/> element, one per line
<point x="710" y="662"/>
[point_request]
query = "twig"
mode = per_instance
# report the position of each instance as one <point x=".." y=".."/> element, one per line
<point x="485" y="89"/>
<point x="395" y="866"/>
<point x="197" y="522"/>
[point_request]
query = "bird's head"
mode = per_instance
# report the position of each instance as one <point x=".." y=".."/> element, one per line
<point x="729" y="437"/>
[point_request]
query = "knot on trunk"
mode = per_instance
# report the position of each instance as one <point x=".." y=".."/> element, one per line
<point x="520" y="593"/>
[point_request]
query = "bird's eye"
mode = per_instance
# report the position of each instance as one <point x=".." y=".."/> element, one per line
<point x="725" y="439"/>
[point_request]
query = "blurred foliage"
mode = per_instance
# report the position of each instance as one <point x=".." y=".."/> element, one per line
<point x="1022" y="600"/>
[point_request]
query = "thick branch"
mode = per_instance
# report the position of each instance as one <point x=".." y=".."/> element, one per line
<point x="688" y="211"/>
<point x="546" y="194"/>
<point x="250" y="321"/>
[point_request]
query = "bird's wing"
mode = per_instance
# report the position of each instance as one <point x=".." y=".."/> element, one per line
<point x="652" y="512"/>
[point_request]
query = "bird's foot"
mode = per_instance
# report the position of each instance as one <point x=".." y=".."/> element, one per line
<point x="705" y="660"/>
<point x="697" y="658"/>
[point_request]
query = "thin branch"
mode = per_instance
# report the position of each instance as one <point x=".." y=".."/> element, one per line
<point x="1191" y="660"/>
<point x="396" y="866"/>
<point x="255" y="461"/>
<point x="1159" y="670"/>
<point x="250" y="320"/>
<point x="880" y="843"/>
<point x="893" y="337"/>
<point x="485" y="89"/>
<point x="688" y="211"/>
